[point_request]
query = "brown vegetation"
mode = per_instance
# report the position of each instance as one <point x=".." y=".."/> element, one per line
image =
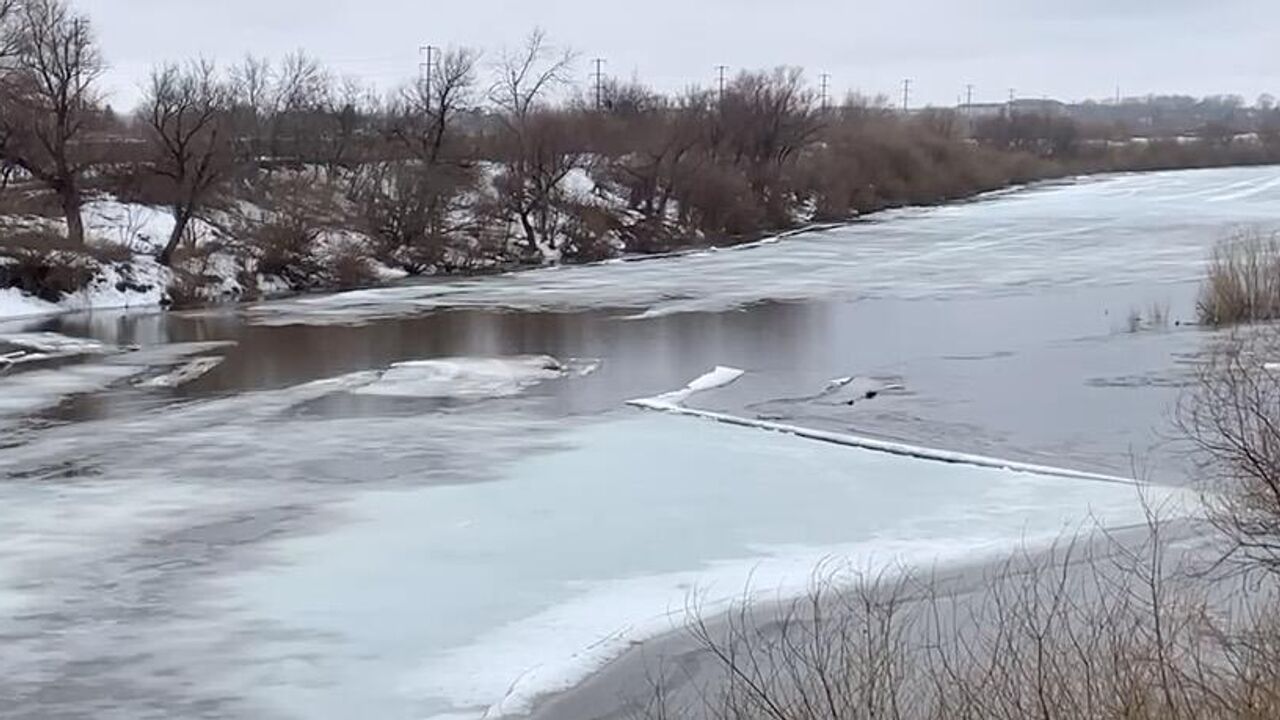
<point x="1244" y="281"/>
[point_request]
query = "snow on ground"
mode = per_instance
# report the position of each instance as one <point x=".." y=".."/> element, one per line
<point x="140" y="228"/>
<point x="15" y="304"/>
<point x="138" y="283"/>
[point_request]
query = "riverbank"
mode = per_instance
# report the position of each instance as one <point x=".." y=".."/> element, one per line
<point x="124" y="275"/>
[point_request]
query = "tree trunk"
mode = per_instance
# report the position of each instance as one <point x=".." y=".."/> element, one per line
<point x="181" y="218"/>
<point x="71" y="210"/>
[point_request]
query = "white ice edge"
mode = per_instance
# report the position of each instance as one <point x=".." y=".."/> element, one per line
<point x="673" y="402"/>
<point x="884" y="446"/>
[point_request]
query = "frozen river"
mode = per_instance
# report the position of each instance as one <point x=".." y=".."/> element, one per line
<point x="433" y="500"/>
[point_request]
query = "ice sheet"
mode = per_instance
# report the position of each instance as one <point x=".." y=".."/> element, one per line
<point x="477" y="599"/>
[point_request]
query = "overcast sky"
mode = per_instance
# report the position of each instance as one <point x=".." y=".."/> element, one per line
<point x="1069" y="49"/>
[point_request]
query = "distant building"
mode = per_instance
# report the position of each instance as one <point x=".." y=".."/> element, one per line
<point x="1026" y="106"/>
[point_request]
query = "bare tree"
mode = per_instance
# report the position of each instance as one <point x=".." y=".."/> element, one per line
<point x="10" y="33"/>
<point x="536" y="147"/>
<point x="187" y="113"/>
<point x="526" y="76"/>
<point x="50" y="102"/>
<point x="251" y="84"/>
<point x="424" y="115"/>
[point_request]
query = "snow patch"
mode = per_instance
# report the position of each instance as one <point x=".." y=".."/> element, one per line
<point x="16" y="304"/>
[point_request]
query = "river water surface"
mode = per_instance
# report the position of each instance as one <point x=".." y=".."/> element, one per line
<point x="392" y="503"/>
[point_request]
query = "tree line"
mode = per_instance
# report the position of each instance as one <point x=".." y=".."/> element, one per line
<point x="485" y="163"/>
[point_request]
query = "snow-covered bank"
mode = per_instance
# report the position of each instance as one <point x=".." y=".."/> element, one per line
<point x="1051" y="235"/>
<point x="139" y="283"/>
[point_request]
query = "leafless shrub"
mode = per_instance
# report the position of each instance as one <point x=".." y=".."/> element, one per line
<point x="349" y="267"/>
<point x="286" y="247"/>
<point x="1244" y="281"/>
<point x="1097" y="627"/>
<point x="44" y="265"/>
<point x="1232" y="419"/>
<point x="415" y="211"/>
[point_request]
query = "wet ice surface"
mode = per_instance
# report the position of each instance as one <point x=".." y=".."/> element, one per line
<point x="525" y="585"/>
<point x="268" y="539"/>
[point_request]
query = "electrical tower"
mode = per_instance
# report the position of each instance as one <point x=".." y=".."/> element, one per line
<point x="826" y="88"/>
<point x="906" y="95"/>
<point x="599" y="78"/>
<point x="425" y="68"/>
<point x="722" y="69"/>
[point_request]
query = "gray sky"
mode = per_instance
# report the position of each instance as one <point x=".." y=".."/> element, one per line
<point x="1070" y="49"/>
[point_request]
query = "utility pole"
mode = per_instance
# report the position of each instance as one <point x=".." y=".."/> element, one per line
<point x="599" y="63"/>
<point x="906" y="95"/>
<point x="826" y="87"/>
<point x="424" y="72"/>
<point x="722" y="70"/>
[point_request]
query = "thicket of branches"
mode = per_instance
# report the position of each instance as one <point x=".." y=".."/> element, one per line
<point x="482" y="163"/>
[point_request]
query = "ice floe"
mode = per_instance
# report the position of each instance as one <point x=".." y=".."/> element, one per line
<point x="717" y="378"/>
<point x="50" y="343"/>
<point x="469" y="378"/>
<point x="189" y="372"/>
